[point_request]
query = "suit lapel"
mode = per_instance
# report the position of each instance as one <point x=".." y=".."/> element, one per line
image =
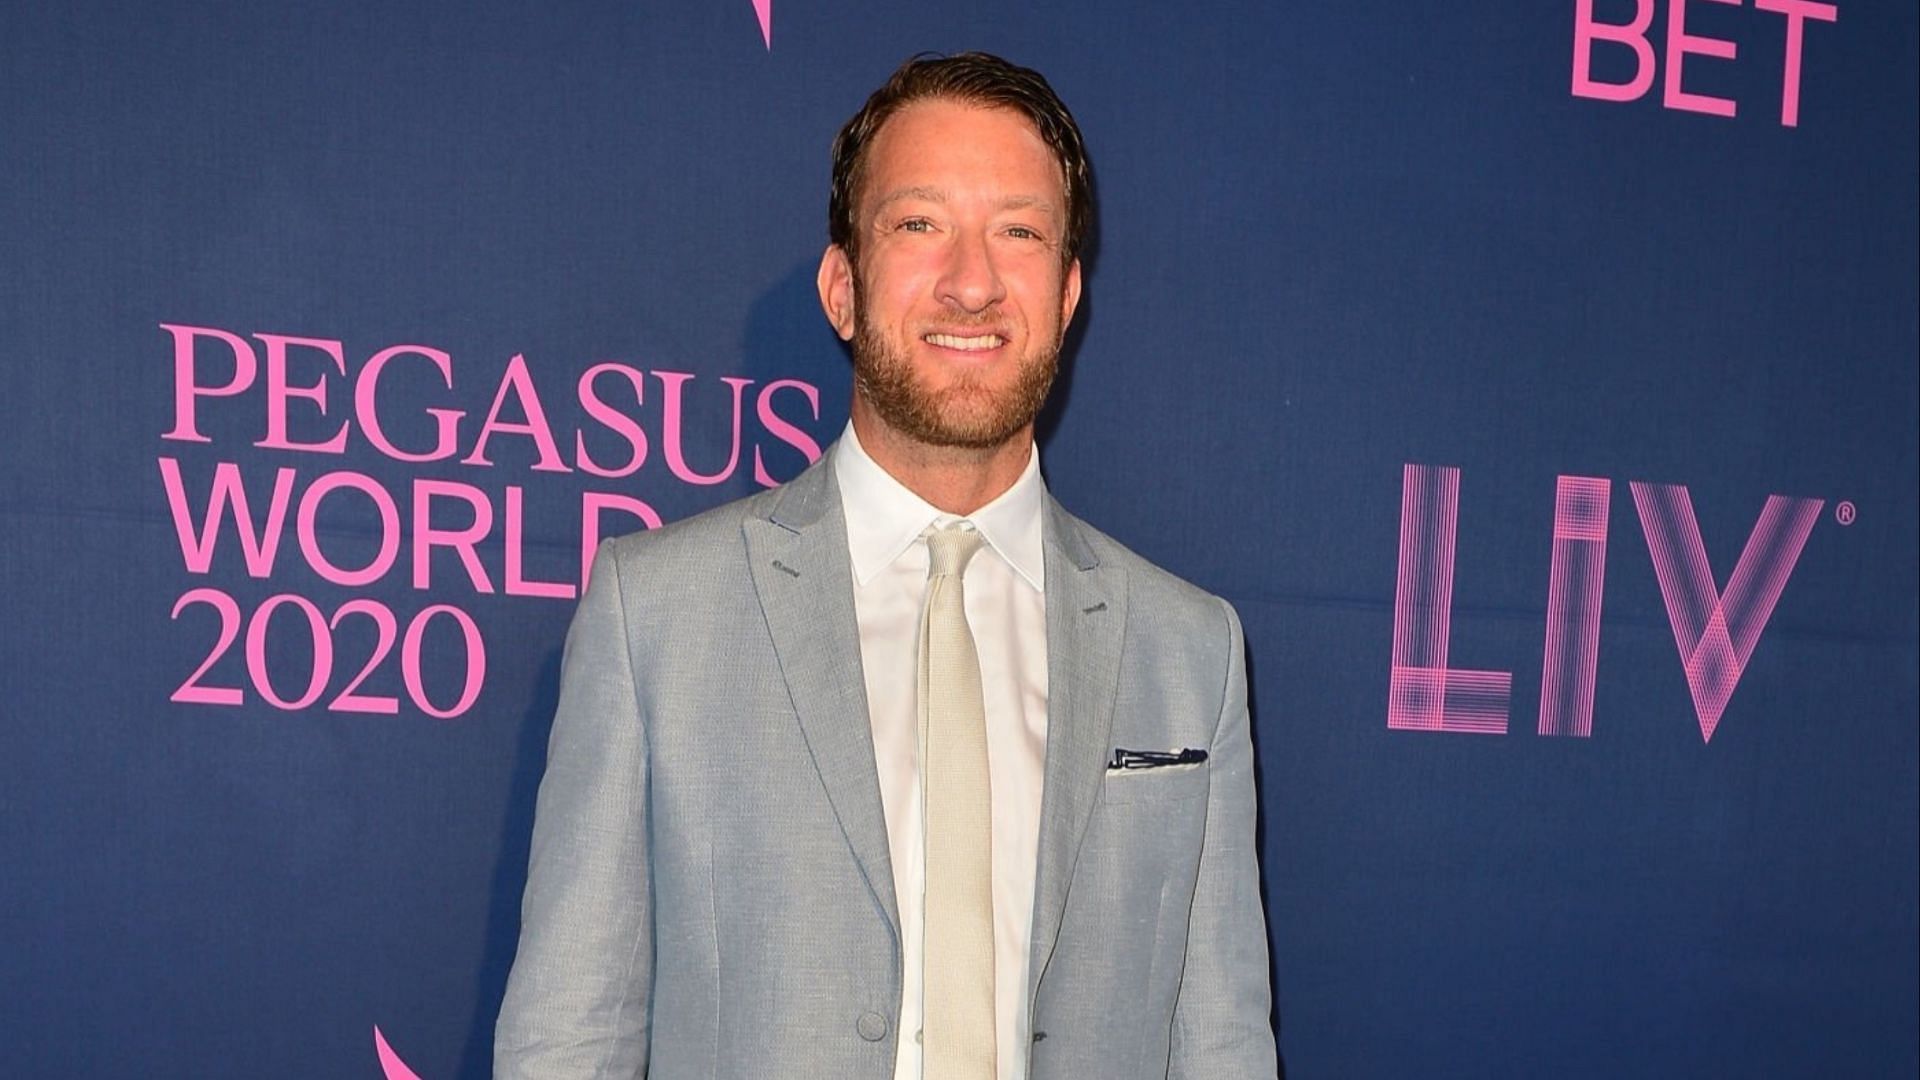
<point x="1086" y="617"/>
<point x="798" y="556"/>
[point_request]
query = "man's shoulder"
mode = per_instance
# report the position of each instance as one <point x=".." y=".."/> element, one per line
<point x="707" y="537"/>
<point x="1171" y="623"/>
<point x="699" y="536"/>
<point x="1147" y="581"/>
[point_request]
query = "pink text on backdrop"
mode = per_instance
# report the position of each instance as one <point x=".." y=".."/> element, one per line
<point x="308" y="396"/>
<point x="199" y="688"/>
<point x="1715" y="630"/>
<point x="445" y="515"/>
<point x="1426" y="693"/>
<point x="302" y="381"/>
<point x="1589" y="32"/>
<point x="1575" y="584"/>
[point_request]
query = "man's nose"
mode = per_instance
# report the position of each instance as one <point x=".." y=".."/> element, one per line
<point x="971" y="281"/>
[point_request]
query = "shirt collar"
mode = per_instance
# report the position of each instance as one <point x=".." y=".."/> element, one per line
<point x="884" y="518"/>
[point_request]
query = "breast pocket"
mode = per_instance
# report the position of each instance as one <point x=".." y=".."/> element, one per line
<point x="1166" y="784"/>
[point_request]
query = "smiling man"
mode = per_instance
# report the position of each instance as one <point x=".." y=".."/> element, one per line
<point x="900" y="770"/>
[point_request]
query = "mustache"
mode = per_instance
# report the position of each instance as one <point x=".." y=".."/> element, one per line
<point x="966" y="320"/>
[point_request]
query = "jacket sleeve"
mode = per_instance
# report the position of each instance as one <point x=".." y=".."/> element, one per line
<point x="1221" y="1025"/>
<point x="577" y="1001"/>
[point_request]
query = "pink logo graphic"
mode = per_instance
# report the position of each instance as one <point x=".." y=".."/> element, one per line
<point x="1574" y="587"/>
<point x="390" y="1063"/>
<point x="1680" y="44"/>
<point x="1716" y="630"/>
<point x="764" y="9"/>
<point x="1425" y="694"/>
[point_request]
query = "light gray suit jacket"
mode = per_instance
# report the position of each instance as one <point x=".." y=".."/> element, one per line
<point x="710" y="894"/>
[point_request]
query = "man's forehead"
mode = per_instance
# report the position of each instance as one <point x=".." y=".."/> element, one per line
<point x="955" y="111"/>
<point x="926" y="124"/>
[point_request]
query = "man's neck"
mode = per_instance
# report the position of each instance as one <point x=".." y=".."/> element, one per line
<point x="952" y="479"/>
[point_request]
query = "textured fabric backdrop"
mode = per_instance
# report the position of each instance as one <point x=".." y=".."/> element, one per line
<point x="1461" y="346"/>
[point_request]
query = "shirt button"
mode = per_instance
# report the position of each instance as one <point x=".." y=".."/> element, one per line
<point x="871" y="1026"/>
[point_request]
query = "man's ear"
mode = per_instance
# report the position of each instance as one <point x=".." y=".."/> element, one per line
<point x="1070" y="294"/>
<point x="835" y="282"/>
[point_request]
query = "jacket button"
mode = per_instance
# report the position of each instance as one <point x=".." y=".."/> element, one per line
<point x="871" y="1026"/>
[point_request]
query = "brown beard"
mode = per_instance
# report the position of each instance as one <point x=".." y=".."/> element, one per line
<point x="966" y="415"/>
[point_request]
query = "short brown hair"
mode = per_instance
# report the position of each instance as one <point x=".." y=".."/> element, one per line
<point x="976" y="78"/>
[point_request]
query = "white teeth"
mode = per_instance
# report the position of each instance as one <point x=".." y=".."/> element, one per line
<point x="966" y="344"/>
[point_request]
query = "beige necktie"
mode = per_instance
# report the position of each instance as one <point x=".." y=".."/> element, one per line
<point x="958" y="1028"/>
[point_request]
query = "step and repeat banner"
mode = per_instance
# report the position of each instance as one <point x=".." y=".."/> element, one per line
<point x="1538" y="381"/>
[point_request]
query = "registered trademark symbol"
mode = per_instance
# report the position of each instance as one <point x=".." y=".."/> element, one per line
<point x="1845" y="512"/>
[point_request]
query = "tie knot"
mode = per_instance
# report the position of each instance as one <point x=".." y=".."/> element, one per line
<point x="948" y="549"/>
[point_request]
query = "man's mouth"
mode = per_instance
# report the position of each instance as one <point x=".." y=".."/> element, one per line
<point x="975" y="343"/>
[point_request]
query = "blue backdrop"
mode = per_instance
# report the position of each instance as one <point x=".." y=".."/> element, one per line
<point x="442" y="291"/>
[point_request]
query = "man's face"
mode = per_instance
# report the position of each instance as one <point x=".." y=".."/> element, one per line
<point x="957" y="306"/>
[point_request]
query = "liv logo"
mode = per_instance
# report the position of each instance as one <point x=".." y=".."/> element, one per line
<point x="1716" y="630"/>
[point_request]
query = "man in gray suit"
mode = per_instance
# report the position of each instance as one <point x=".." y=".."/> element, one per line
<point x="900" y="770"/>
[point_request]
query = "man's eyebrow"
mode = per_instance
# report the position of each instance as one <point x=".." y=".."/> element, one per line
<point x="938" y="195"/>
<point x="1028" y="202"/>
<point x="923" y="194"/>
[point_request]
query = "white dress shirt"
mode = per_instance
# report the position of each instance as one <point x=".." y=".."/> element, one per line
<point x="1006" y="609"/>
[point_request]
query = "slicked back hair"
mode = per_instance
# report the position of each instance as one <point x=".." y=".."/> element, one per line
<point x="975" y="78"/>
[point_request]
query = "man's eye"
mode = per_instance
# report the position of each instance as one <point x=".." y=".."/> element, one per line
<point x="1021" y="232"/>
<point x="916" y="225"/>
